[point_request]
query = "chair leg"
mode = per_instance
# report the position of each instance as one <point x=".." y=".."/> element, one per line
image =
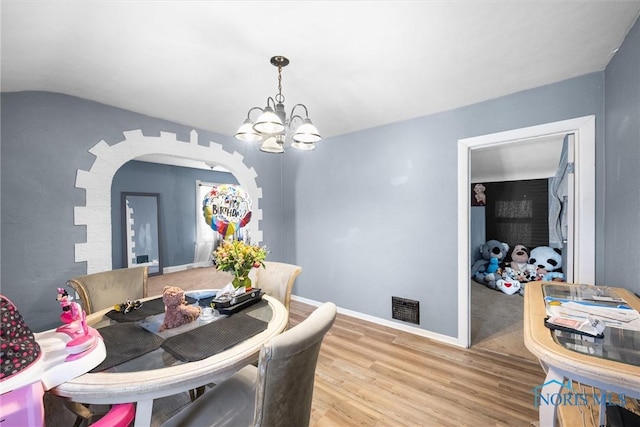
<point x="196" y="393"/>
<point x="83" y="413"/>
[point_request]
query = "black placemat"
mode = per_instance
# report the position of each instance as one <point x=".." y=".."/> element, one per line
<point x="149" y="308"/>
<point x="213" y="338"/>
<point x="125" y="341"/>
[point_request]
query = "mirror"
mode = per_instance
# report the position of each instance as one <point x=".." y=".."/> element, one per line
<point x="141" y="231"/>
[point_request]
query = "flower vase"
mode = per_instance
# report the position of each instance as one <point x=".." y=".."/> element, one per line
<point x="241" y="281"/>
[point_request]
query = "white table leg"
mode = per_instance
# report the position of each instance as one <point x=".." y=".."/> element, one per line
<point x="144" y="409"/>
<point x="546" y="410"/>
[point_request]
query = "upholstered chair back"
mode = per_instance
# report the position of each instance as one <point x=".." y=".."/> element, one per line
<point x="98" y="291"/>
<point x="276" y="279"/>
<point x="277" y="393"/>
<point x="286" y="371"/>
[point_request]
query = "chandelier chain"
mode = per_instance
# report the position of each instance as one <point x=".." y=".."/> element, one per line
<point x="279" y="96"/>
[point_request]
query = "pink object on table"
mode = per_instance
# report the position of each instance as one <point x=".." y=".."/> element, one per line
<point x="82" y="345"/>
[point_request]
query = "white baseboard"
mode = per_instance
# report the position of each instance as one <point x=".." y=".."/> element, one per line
<point x="176" y="268"/>
<point x="202" y="264"/>
<point x="390" y="324"/>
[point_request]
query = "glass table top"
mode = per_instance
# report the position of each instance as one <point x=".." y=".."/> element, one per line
<point x="160" y="358"/>
<point x="618" y="344"/>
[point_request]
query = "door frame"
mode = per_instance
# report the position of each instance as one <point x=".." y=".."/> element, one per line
<point x="584" y="215"/>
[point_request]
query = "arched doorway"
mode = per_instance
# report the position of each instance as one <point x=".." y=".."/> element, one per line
<point x="96" y="213"/>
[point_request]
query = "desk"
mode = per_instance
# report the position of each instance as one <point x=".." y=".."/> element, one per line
<point x="146" y="385"/>
<point x="560" y="363"/>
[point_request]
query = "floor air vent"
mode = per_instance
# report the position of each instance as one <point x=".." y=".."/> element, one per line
<point x="406" y="310"/>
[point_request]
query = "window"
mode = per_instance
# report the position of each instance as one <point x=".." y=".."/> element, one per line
<point x="206" y="238"/>
<point x="517" y="212"/>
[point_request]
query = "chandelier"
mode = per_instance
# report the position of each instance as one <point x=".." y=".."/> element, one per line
<point x="272" y="126"/>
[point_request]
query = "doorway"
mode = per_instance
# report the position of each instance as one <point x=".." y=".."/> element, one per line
<point x="584" y="216"/>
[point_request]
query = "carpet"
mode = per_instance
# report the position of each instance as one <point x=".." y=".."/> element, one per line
<point x="497" y="322"/>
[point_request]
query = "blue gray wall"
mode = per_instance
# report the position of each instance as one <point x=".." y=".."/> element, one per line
<point x="176" y="186"/>
<point x="621" y="249"/>
<point x="45" y="138"/>
<point x="373" y="213"/>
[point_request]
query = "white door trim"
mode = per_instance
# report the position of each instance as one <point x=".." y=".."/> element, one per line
<point x="584" y="220"/>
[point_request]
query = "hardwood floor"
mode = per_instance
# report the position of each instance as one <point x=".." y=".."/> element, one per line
<point x="371" y="375"/>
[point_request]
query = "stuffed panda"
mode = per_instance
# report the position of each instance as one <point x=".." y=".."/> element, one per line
<point x="548" y="263"/>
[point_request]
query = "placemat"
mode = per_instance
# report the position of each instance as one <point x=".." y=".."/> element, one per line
<point x="125" y="341"/>
<point x="149" y="308"/>
<point x="213" y="338"/>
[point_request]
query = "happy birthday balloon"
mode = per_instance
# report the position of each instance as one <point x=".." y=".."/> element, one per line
<point x="227" y="208"/>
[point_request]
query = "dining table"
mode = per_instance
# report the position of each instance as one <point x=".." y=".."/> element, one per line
<point x="609" y="363"/>
<point x="144" y="363"/>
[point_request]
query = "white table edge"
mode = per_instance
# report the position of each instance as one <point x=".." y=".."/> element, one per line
<point x="110" y="388"/>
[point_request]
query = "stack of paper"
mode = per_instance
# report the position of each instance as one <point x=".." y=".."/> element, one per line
<point x="619" y="316"/>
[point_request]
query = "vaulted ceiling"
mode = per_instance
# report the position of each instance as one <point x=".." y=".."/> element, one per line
<point x="354" y="64"/>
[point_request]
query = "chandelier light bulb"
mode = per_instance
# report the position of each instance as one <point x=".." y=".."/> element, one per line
<point x="307" y="133"/>
<point x="271" y="145"/>
<point x="303" y="146"/>
<point x="247" y="133"/>
<point x="269" y="122"/>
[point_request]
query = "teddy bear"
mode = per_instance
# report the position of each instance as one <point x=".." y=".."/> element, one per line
<point x="487" y="270"/>
<point x="480" y="196"/>
<point x="176" y="310"/>
<point x="548" y="263"/>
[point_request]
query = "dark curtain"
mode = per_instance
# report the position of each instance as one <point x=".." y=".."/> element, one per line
<point x="517" y="212"/>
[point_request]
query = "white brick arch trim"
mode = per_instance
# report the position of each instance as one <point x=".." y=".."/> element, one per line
<point x="96" y="214"/>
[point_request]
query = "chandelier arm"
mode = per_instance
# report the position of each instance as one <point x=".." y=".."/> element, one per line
<point x="297" y="116"/>
<point x="272" y="101"/>
<point x="306" y="112"/>
<point x="253" y="109"/>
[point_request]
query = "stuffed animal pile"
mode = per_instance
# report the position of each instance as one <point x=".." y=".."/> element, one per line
<point x="176" y="310"/>
<point x="486" y="270"/>
<point x="509" y="271"/>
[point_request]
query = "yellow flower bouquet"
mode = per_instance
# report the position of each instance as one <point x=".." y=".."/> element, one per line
<point x="239" y="257"/>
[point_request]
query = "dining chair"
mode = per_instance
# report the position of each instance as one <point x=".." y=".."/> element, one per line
<point x="276" y="393"/>
<point x="98" y="291"/>
<point x="276" y="279"/>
